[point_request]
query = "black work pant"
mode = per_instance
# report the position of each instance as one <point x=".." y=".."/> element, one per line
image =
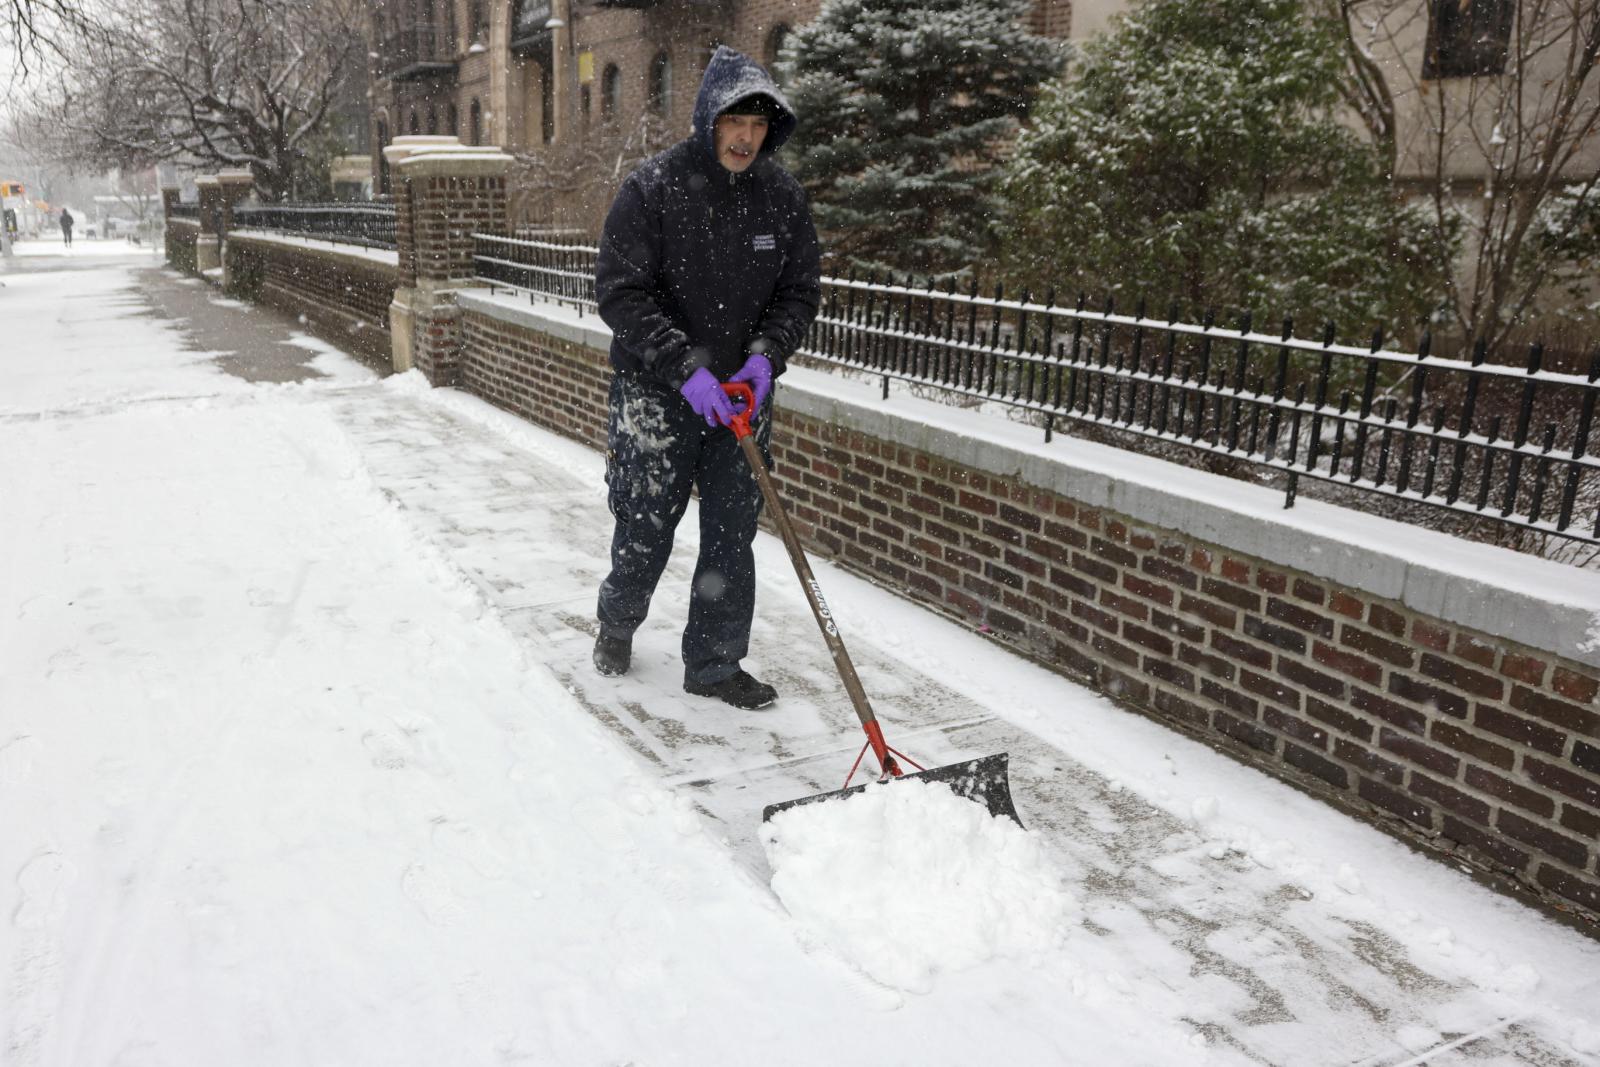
<point x="658" y="450"/>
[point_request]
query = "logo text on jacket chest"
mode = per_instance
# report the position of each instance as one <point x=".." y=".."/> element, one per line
<point x="764" y="242"/>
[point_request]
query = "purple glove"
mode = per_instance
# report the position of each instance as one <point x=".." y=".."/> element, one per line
<point x="757" y="370"/>
<point x="704" y="394"/>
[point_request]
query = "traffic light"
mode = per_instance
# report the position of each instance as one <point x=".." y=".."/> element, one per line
<point x="11" y="189"/>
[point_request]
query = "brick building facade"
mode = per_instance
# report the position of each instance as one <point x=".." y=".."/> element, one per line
<point x="532" y="75"/>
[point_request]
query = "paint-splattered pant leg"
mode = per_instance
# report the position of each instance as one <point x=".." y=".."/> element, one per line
<point x="649" y="475"/>
<point x="659" y="450"/>
<point x="723" y="599"/>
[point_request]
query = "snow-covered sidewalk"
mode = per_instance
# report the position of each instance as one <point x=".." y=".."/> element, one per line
<point x="302" y="761"/>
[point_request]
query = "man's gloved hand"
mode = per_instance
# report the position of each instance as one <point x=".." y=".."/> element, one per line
<point x="757" y="370"/>
<point x="704" y="394"/>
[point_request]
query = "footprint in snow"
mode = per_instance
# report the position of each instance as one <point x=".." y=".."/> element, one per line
<point x="16" y="760"/>
<point x="431" y="892"/>
<point x="409" y="743"/>
<point x="388" y="751"/>
<point x="472" y="846"/>
<point x="43" y="881"/>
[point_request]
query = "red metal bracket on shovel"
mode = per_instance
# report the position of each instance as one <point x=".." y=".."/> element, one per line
<point x="984" y="780"/>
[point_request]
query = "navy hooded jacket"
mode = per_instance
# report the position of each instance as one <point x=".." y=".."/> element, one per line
<point x="700" y="266"/>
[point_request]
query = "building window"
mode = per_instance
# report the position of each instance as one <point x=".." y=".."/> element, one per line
<point x="477" y="22"/>
<point x="475" y="120"/>
<point x="453" y="119"/>
<point x="383" y="160"/>
<point x="659" y="93"/>
<point x="412" y="124"/>
<point x="1467" y="38"/>
<point x="584" y="105"/>
<point x="775" y="42"/>
<point x="433" y="120"/>
<point x="547" y="108"/>
<point x="610" y="90"/>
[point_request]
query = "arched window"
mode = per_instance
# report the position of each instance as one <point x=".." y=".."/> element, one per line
<point x="659" y="92"/>
<point x="775" y="42"/>
<point x="412" y="124"/>
<point x="475" y="121"/>
<point x="433" y="120"/>
<point x="454" y="128"/>
<point x="477" y="22"/>
<point x="610" y="90"/>
<point x="383" y="160"/>
<point x="547" y="109"/>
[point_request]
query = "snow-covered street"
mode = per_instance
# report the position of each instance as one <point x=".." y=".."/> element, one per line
<point x="303" y="761"/>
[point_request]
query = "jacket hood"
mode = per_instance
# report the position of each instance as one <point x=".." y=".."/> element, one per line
<point x="730" y="77"/>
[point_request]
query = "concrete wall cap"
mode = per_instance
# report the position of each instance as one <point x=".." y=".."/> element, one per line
<point x="346" y="257"/>
<point x="207" y="179"/>
<point x="476" y="163"/>
<point x="401" y="147"/>
<point x="235" y="177"/>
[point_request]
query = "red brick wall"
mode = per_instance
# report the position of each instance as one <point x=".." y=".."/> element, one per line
<point x="444" y="213"/>
<point x="1486" y="749"/>
<point x="558" y="384"/>
<point x="344" y="297"/>
<point x="1473" y="745"/>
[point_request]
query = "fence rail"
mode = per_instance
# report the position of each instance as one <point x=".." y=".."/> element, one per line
<point x="370" y="225"/>
<point x="185" y="211"/>
<point x="1510" y="445"/>
<point x="554" y="269"/>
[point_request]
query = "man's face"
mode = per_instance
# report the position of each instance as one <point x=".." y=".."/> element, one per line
<point x="738" y="139"/>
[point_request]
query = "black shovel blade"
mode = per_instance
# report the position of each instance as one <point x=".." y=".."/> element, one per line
<point x="985" y="780"/>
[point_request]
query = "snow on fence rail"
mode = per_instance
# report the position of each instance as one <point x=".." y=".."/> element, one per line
<point x="1507" y="445"/>
<point x="371" y="225"/>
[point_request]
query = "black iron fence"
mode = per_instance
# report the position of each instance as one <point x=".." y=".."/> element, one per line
<point x="370" y="225"/>
<point x="552" y="268"/>
<point x="1506" y="444"/>
<point x="184" y="211"/>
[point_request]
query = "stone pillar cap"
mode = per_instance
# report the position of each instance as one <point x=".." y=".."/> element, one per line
<point x="401" y="147"/>
<point x="459" y="159"/>
<point x="207" y="179"/>
<point x="234" y="177"/>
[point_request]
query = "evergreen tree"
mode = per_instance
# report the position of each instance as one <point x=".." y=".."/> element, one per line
<point x="1194" y="154"/>
<point x="907" y="109"/>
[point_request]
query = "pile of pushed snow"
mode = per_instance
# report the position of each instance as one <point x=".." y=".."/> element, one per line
<point x="908" y="879"/>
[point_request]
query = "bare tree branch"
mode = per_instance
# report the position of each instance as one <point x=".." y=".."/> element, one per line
<point x="1488" y="150"/>
<point x="209" y="83"/>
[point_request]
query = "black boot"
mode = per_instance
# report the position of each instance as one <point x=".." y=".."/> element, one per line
<point x="613" y="655"/>
<point x="738" y="689"/>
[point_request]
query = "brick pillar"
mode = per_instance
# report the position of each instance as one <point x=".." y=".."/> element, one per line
<point x="169" y="200"/>
<point x="208" y="245"/>
<point x="233" y="186"/>
<point x="444" y="193"/>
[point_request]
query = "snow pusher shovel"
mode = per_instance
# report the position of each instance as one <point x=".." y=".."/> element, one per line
<point x="983" y="780"/>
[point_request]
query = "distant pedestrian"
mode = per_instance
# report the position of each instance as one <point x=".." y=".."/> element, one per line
<point x="66" y="226"/>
